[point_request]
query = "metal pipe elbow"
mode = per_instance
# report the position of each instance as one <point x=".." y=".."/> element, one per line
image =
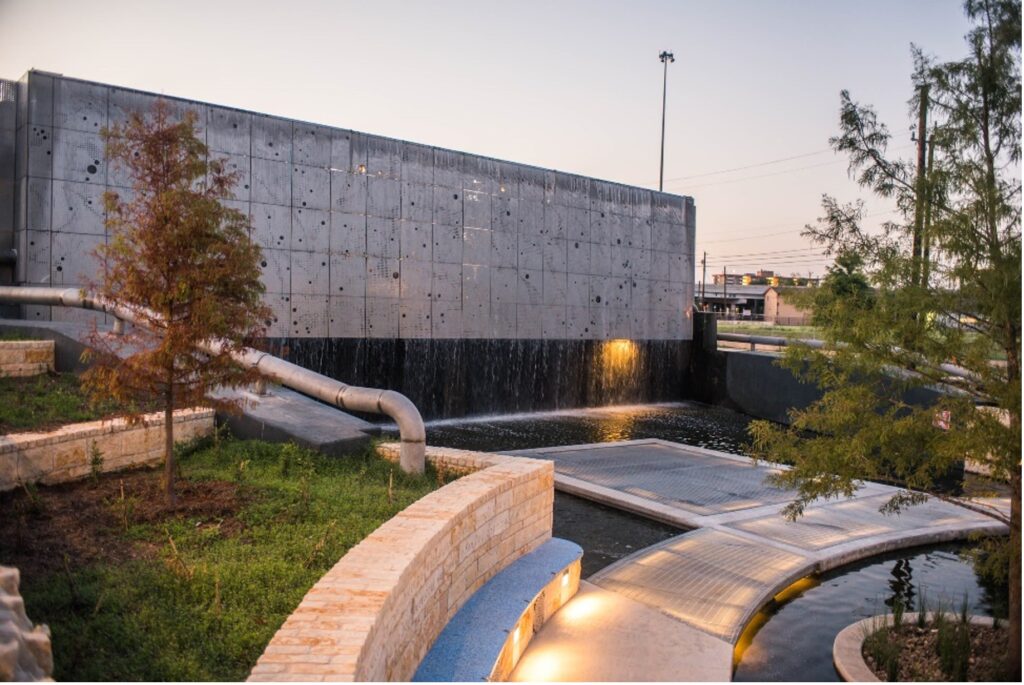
<point x="410" y="428"/>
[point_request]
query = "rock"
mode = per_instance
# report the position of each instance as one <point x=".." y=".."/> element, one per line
<point x="25" y="652"/>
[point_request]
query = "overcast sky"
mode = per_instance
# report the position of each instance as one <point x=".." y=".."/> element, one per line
<point x="574" y="86"/>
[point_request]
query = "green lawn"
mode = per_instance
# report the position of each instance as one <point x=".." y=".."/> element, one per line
<point x="195" y="593"/>
<point x="46" y="401"/>
<point x="769" y="330"/>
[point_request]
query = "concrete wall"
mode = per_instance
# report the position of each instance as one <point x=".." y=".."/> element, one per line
<point x="369" y="237"/>
<point x="377" y="612"/>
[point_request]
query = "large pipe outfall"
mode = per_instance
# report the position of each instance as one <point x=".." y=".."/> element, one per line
<point x="369" y="400"/>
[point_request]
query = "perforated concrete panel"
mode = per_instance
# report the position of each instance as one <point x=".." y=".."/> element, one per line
<point x="346" y="317"/>
<point x="383" y="277"/>
<point x="348" y="192"/>
<point x="77" y="208"/>
<point x="310" y="273"/>
<point x="368" y="236"/>
<point x="271" y="182"/>
<point x="72" y="258"/>
<point x="228" y="130"/>
<point x="382" y="316"/>
<point x="414" y="319"/>
<point x="348" y="234"/>
<point x="78" y="156"/>
<point x="79" y="106"/>
<point x="347" y="276"/>
<point x="417" y="202"/>
<point x="383" y="197"/>
<point x="271" y="139"/>
<point x="275" y="271"/>
<point x="311" y="145"/>
<point x="416" y="240"/>
<point x="383" y="237"/>
<point x="271" y="226"/>
<point x="311" y="230"/>
<point x="311" y="187"/>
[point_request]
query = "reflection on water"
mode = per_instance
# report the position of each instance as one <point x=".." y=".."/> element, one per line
<point x="686" y="422"/>
<point x="796" y="642"/>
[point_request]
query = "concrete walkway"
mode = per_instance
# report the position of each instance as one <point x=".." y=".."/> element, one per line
<point x="741" y="554"/>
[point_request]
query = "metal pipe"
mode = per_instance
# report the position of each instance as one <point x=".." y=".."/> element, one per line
<point x="395" y="405"/>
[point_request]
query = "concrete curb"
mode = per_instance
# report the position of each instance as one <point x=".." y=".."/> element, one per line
<point x="848" y="648"/>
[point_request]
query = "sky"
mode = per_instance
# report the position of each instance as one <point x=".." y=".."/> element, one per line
<point x="574" y="85"/>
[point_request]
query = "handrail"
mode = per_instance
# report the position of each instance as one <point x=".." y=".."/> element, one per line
<point x="754" y="340"/>
<point x="374" y="401"/>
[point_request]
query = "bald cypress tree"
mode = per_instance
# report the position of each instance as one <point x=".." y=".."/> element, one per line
<point x="184" y="261"/>
<point x="956" y="300"/>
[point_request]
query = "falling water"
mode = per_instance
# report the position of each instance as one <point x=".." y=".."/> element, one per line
<point x="462" y="377"/>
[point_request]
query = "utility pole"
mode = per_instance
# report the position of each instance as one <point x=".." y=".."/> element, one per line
<point x="725" y="289"/>
<point x="926" y="237"/>
<point x="703" y="279"/>
<point x="665" y="58"/>
<point x="919" y="204"/>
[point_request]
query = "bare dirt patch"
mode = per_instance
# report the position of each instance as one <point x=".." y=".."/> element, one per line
<point x="44" y="529"/>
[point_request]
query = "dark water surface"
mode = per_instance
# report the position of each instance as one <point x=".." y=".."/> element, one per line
<point x="796" y="642"/>
<point x="686" y="422"/>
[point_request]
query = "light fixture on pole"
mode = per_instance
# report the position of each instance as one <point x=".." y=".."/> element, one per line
<point x="665" y="58"/>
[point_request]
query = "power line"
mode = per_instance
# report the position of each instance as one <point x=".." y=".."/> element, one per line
<point x="748" y="236"/>
<point x="769" y="162"/>
<point x="777" y="173"/>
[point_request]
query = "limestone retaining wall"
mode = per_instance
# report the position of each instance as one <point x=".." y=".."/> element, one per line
<point x="66" y="453"/>
<point x="377" y="612"/>
<point x="25" y="357"/>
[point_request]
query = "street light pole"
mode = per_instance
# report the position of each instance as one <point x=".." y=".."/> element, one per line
<point x="665" y="58"/>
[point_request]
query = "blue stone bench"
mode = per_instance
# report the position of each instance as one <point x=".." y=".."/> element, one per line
<point x="469" y="646"/>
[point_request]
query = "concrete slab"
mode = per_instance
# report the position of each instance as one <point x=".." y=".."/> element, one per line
<point x="604" y="636"/>
<point x="283" y="415"/>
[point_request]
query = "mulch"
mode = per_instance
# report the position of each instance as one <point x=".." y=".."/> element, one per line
<point x="75" y="524"/>
<point x="919" y="659"/>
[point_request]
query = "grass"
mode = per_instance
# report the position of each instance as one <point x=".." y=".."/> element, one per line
<point x="9" y="335"/>
<point x="756" y="328"/>
<point x="47" y="401"/>
<point x="200" y="596"/>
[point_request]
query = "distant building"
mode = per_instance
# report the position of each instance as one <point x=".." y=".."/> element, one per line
<point x="732" y="300"/>
<point x="762" y="277"/>
<point x="779" y="307"/>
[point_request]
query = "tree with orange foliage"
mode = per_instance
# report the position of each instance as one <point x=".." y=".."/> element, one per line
<point x="184" y="261"/>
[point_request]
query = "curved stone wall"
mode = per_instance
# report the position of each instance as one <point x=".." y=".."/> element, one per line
<point x="377" y="612"/>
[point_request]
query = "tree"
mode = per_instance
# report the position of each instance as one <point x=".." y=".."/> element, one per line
<point x="184" y="262"/>
<point x="954" y="301"/>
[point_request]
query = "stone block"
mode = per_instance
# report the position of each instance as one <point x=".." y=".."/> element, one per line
<point x="446" y="319"/>
<point x="447" y="244"/>
<point x="383" y="198"/>
<point x="228" y="130"/>
<point x="414" y="318"/>
<point x="447" y="282"/>
<point x="311" y="144"/>
<point x="78" y="156"/>
<point x="348" y="192"/>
